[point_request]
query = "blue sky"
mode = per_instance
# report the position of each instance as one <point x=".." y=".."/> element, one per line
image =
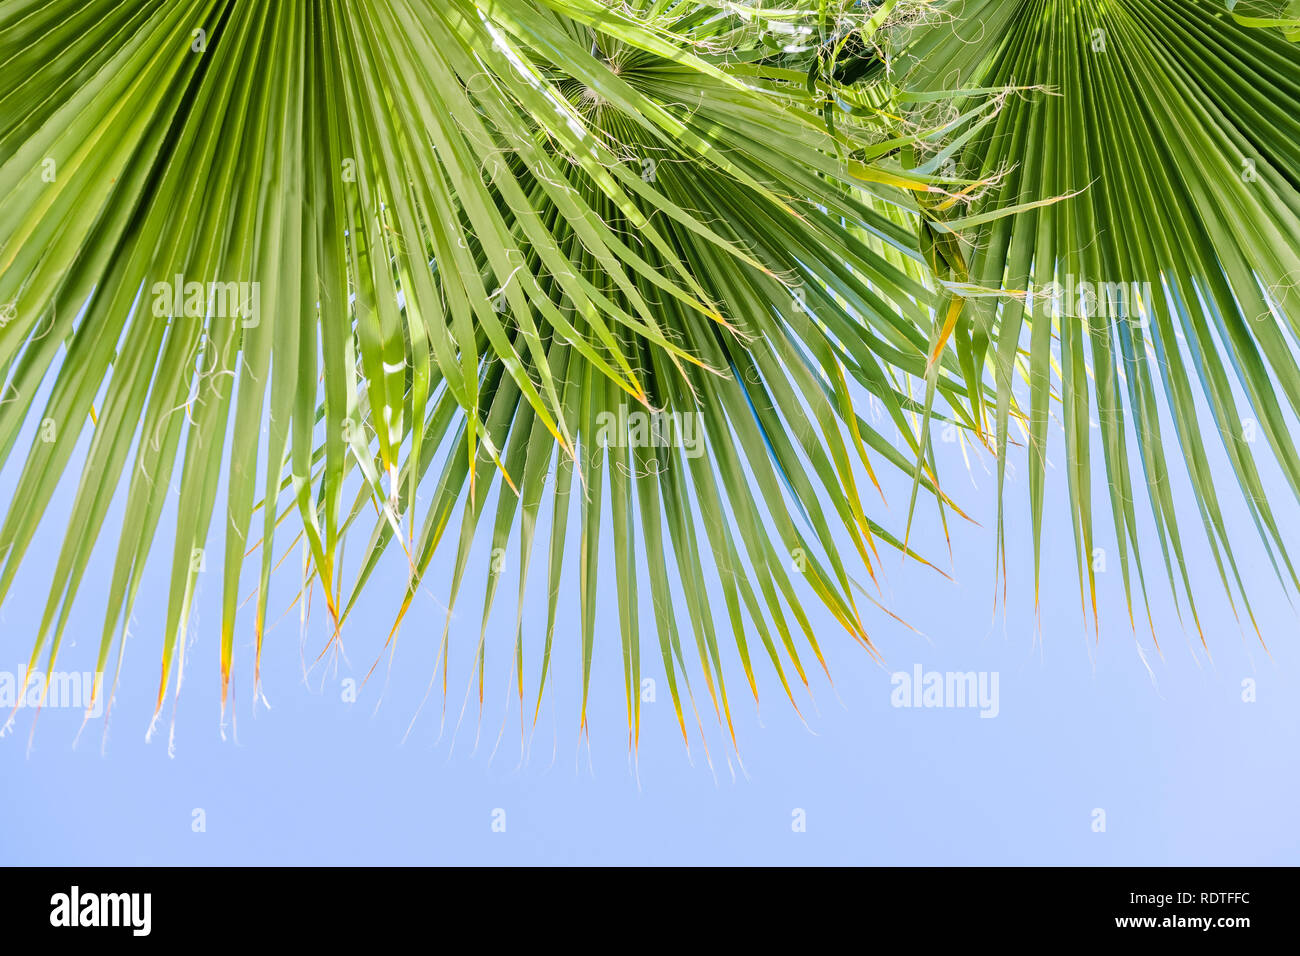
<point x="1185" y="769"/>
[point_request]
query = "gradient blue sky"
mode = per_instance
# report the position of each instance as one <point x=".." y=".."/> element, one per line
<point x="1186" y="771"/>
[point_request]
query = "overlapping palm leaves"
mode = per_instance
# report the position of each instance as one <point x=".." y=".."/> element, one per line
<point x="477" y="229"/>
<point x="1178" y="125"/>
<point x="487" y="232"/>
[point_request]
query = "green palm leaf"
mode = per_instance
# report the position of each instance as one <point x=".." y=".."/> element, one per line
<point x="1174" y="128"/>
<point x="479" y="233"/>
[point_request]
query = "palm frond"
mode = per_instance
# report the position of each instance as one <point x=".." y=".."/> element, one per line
<point x="475" y="240"/>
<point x="1174" y="131"/>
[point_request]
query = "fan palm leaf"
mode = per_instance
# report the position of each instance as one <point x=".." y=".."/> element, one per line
<point x="1174" y="131"/>
<point x="472" y="240"/>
